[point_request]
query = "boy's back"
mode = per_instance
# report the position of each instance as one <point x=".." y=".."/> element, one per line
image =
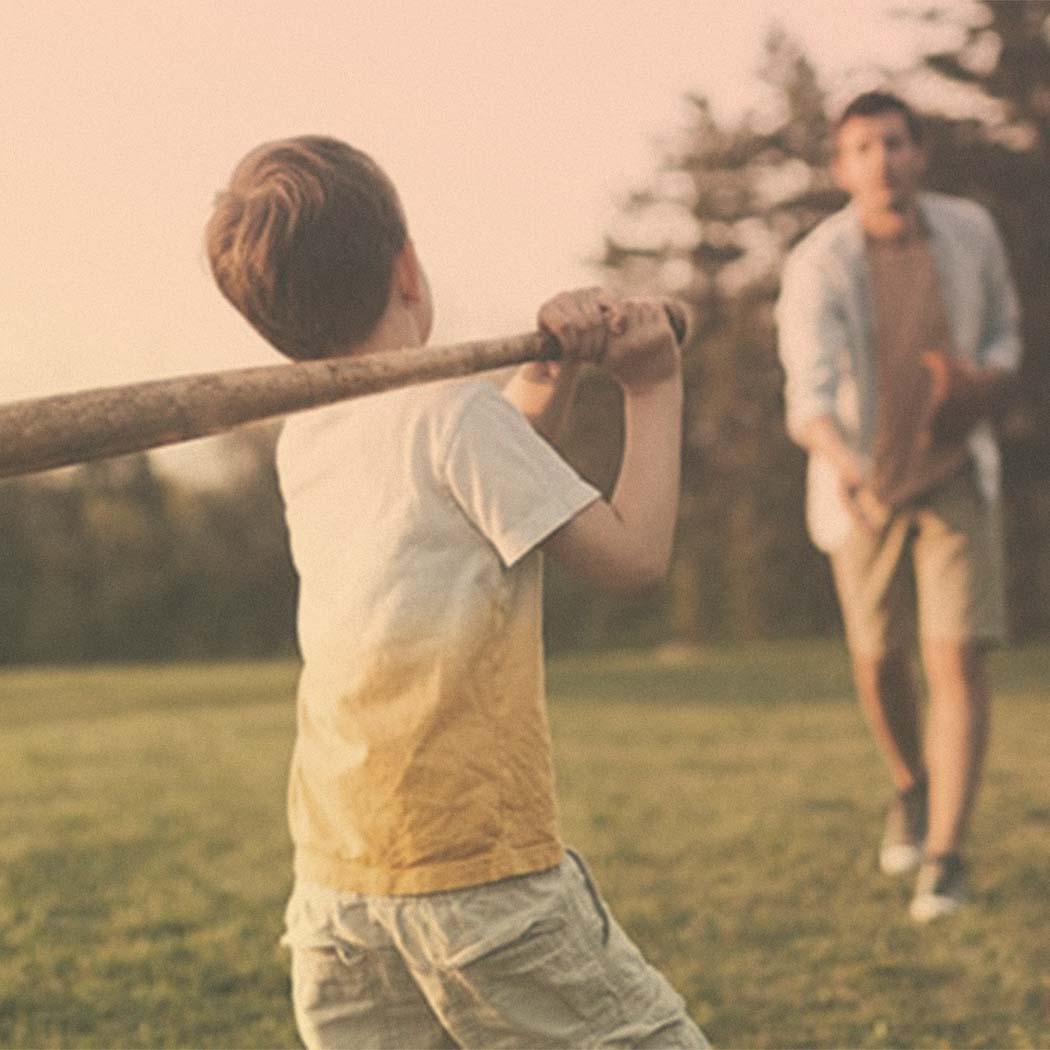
<point x="423" y="757"/>
<point x="434" y="904"/>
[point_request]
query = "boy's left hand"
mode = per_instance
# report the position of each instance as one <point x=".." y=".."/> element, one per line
<point x="580" y="322"/>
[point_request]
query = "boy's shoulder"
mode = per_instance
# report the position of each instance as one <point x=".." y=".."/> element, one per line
<point x="452" y="397"/>
<point x="438" y="410"/>
<point x="430" y="413"/>
<point x="444" y="398"/>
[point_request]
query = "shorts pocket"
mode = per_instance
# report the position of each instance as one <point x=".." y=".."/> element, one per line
<point x="546" y="986"/>
<point x="323" y="976"/>
<point x="530" y="973"/>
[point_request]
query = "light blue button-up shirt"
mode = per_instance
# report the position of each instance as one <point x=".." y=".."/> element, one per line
<point x="825" y="317"/>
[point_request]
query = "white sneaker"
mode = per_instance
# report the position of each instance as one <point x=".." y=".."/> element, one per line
<point x="900" y="852"/>
<point x="940" y="888"/>
<point x="900" y="859"/>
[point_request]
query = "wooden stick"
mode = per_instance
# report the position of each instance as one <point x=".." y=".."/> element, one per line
<point x="44" y="433"/>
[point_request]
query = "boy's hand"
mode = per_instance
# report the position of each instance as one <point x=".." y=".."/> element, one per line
<point x="642" y="350"/>
<point x="580" y="323"/>
<point x="624" y="544"/>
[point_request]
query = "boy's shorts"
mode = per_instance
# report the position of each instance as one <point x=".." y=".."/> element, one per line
<point x="532" y="961"/>
<point x="935" y="564"/>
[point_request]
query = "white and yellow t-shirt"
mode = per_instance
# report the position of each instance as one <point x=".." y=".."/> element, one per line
<point x="422" y="761"/>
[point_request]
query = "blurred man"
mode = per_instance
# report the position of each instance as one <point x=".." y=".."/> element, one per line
<point x="898" y="335"/>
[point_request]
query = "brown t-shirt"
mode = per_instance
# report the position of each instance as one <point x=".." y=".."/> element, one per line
<point x="910" y="318"/>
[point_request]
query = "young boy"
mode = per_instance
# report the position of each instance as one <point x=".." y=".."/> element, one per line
<point x="434" y="904"/>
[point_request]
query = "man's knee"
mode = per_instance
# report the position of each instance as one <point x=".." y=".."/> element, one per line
<point x="886" y="675"/>
<point x="955" y="668"/>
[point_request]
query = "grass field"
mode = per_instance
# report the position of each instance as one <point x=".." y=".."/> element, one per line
<point x="728" y="801"/>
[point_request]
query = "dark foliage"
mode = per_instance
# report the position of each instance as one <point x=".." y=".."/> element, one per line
<point x="117" y="563"/>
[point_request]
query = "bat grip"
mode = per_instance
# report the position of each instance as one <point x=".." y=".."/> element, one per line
<point x="677" y="317"/>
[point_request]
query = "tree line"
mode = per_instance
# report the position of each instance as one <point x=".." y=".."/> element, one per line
<point x="116" y="561"/>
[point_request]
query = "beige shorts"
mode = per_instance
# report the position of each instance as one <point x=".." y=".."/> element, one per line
<point x="934" y="566"/>
<point x="535" y="961"/>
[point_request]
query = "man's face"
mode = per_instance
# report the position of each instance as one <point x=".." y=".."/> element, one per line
<point x="878" y="163"/>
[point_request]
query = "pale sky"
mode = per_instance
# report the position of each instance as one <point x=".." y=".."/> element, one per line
<point x="511" y="129"/>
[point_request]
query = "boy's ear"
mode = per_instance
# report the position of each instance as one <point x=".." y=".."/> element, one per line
<point x="408" y="275"/>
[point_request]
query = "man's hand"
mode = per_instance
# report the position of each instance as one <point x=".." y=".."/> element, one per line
<point x="961" y="395"/>
<point x="823" y="437"/>
<point x="854" y="493"/>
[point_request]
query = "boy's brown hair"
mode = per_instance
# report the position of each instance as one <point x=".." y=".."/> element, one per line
<point x="303" y="243"/>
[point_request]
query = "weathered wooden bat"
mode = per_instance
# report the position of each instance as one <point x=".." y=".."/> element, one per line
<point x="43" y="433"/>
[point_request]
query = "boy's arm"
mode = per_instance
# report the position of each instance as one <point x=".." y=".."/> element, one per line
<point x="624" y="544"/>
<point x="543" y="391"/>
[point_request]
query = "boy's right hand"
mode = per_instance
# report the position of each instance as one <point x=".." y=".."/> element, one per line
<point x="632" y="340"/>
<point x="641" y="350"/>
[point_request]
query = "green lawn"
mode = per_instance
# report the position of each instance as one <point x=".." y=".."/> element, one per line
<point x="728" y="801"/>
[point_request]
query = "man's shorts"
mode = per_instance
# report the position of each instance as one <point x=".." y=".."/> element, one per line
<point x="533" y="961"/>
<point x="934" y="565"/>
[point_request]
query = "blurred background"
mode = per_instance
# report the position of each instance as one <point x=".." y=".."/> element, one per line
<point x="668" y="152"/>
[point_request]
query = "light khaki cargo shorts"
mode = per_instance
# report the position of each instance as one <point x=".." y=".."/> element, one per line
<point x="534" y="961"/>
<point x="934" y="565"/>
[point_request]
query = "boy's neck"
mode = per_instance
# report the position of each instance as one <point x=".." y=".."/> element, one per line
<point x="397" y="329"/>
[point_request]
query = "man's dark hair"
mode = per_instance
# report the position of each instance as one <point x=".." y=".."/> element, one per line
<point x="303" y="243"/>
<point x="872" y="103"/>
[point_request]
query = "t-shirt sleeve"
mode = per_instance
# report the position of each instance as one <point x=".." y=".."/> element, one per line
<point x="512" y="486"/>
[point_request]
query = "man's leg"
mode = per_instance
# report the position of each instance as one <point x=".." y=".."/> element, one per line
<point x="888" y="699"/>
<point x="956" y="738"/>
<point x="958" y="568"/>
<point x="873" y="581"/>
